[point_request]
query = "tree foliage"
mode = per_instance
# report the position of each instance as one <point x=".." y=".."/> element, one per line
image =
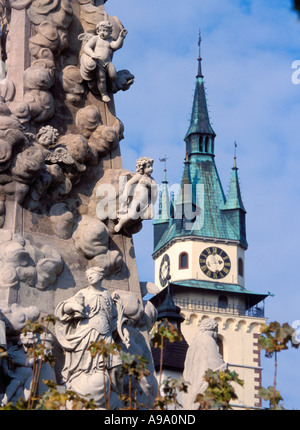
<point x="275" y="338"/>
<point x="272" y="396"/>
<point x="170" y="389"/>
<point x="217" y="396"/>
<point x="134" y="368"/>
<point x="220" y="391"/>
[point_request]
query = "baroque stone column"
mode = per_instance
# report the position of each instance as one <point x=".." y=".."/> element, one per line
<point x="61" y="143"/>
<point x="67" y="205"/>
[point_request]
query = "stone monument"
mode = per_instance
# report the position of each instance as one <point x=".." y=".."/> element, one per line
<point x="66" y="202"/>
<point x="202" y="355"/>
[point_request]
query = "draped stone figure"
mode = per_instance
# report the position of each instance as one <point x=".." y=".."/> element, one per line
<point x="89" y="316"/>
<point x="202" y="355"/>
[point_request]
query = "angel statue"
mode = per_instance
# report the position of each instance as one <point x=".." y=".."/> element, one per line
<point x="96" y="60"/>
<point x="138" y="197"/>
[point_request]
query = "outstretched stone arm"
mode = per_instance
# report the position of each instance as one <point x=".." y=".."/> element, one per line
<point x="117" y="44"/>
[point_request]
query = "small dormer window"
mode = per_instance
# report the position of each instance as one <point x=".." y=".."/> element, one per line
<point x="183" y="260"/>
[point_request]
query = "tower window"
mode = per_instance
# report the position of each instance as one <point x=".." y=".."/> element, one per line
<point x="206" y="144"/>
<point x="223" y="302"/>
<point x="201" y="144"/>
<point x="183" y="260"/>
<point x="241" y="267"/>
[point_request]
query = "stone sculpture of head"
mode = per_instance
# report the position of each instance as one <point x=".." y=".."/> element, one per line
<point x="209" y="325"/>
<point x="94" y="274"/>
<point x="142" y="162"/>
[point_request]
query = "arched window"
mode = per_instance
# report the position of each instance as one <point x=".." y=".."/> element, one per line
<point x="223" y="302"/>
<point x="241" y="267"/>
<point x="183" y="260"/>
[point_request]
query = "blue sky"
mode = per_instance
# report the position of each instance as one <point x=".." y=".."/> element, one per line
<point x="248" y="48"/>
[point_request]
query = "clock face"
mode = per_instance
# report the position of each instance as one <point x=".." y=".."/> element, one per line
<point x="164" y="270"/>
<point x="214" y="262"/>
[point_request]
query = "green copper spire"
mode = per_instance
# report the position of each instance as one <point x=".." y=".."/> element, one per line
<point x="234" y="198"/>
<point x="164" y="210"/>
<point x="185" y="195"/>
<point x="234" y="208"/>
<point x="162" y="219"/>
<point x="200" y="135"/>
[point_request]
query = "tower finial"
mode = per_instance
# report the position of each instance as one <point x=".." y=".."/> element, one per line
<point x="164" y="160"/>
<point x="234" y="158"/>
<point x="199" y="56"/>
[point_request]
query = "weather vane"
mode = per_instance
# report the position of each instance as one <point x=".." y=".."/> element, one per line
<point x="164" y="160"/>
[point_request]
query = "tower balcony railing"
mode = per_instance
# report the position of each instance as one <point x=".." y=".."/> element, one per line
<point x="207" y="306"/>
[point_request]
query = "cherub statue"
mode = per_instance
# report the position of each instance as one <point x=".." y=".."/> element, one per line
<point x="47" y="136"/>
<point x="98" y="54"/>
<point x="138" y="197"/>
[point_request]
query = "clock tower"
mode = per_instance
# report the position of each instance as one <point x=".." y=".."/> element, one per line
<point x="199" y="252"/>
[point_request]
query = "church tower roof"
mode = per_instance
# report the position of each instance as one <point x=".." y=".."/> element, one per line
<point x="201" y="208"/>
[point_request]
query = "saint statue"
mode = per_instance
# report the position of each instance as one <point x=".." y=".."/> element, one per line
<point x="89" y="316"/>
<point x="203" y="354"/>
